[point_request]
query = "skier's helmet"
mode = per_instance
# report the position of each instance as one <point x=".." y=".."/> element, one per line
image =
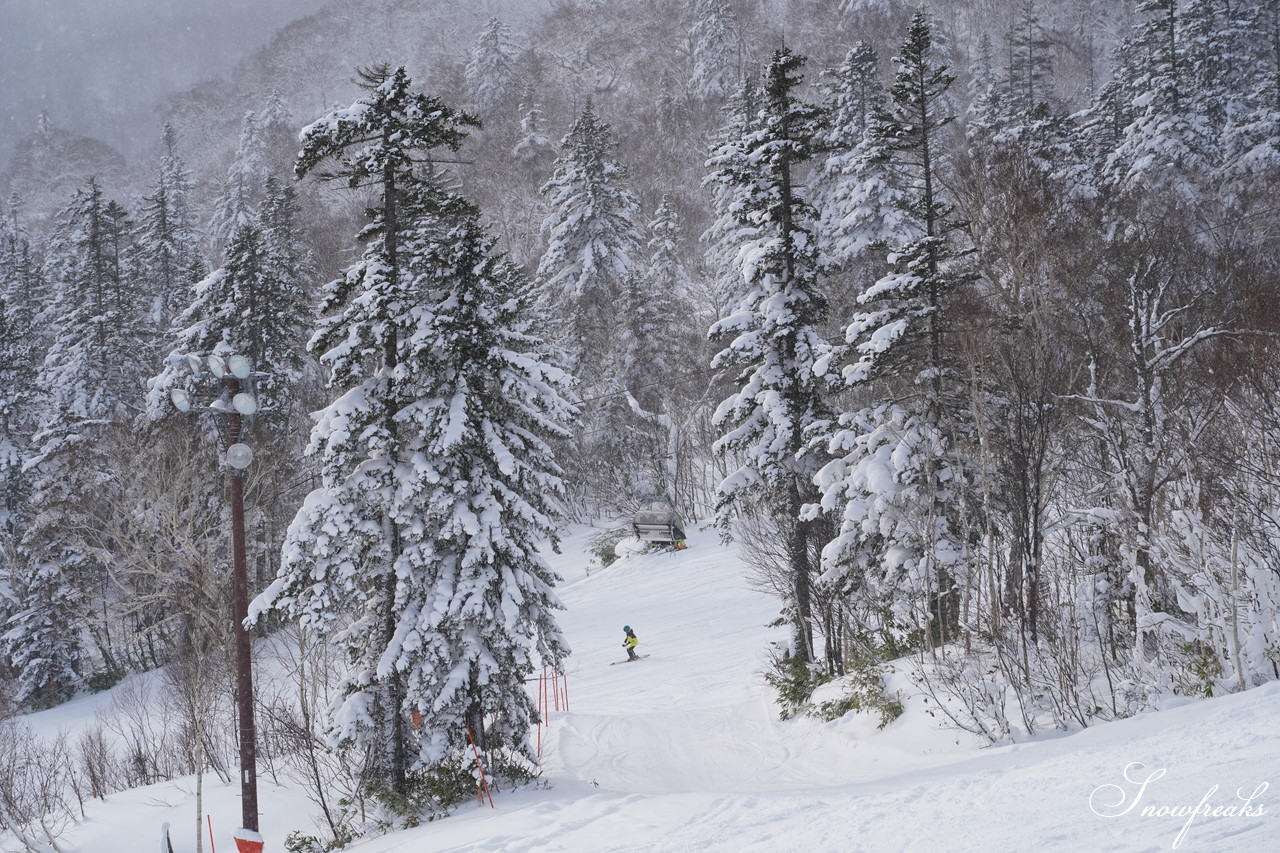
<point x="626" y="627"/>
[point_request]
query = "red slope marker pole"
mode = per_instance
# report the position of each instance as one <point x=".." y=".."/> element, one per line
<point x="542" y="689"/>
<point x="483" y="782"/>
<point x="212" y="849"/>
<point x="545" y="708"/>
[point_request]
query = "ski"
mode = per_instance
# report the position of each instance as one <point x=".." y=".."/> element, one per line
<point x="616" y="662"/>
<point x="671" y="549"/>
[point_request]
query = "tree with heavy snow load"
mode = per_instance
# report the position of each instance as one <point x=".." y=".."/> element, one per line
<point x="93" y="374"/>
<point x="419" y="550"/>
<point x="772" y="338"/>
<point x="896" y="479"/>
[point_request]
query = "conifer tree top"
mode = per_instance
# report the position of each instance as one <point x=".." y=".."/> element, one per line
<point x="388" y="130"/>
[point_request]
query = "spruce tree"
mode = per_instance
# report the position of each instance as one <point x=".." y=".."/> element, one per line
<point x="1252" y="139"/>
<point x="897" y="478"/>
<point x="243" y="186"/>
<point x="729" y="188"/>
<point x="20" y="401"/>
<point x="41" y="639"/>
<point x="772" y="340"/>
<point x="491" y="72"/>
<point x="1178" y="80"/>
<point x="655" y="318"/>
<point x="22" y="280"/>
<point x="648" y="357"/>
<point x="1030" y="72"/>
<point x="534" y="148"/>
<point x="858" y="197"/>
<point x="166" y="246"/>
<point x="377" y="143"/>
<point x="419" y="548"/>
<point x="93" y="376"/>
<point x="714" y="37"/>
<point x="279" y="136"/>
<point x="254" y="305"/>
<point x="592" y="248"/>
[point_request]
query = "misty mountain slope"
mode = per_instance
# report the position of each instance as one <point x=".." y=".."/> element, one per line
<point x="633" y="60"/>
<point x="103" y="67"/>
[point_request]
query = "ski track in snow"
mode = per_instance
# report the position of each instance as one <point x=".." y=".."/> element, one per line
<point x="686" y="753"/>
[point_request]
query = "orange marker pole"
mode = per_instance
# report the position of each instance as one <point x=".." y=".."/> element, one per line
<point x="546" y="698"/>
<point x="542" y="689"/>
<point x="483" y="782"/>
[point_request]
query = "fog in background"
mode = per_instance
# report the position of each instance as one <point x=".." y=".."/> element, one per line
<point x="102" y="67"/>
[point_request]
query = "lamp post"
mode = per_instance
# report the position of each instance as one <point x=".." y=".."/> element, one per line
<point x="233" y="405"/>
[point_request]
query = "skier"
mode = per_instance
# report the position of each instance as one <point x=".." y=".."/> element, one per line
<point x="630" y="643"/>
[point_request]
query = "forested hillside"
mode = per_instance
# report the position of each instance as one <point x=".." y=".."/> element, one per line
<point x="962" y="320"/>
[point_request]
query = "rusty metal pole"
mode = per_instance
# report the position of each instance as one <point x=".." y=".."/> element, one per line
<point x="240" y="612"/>
<point x="231" y="422"/>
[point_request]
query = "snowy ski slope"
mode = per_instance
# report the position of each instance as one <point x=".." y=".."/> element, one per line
<point x="684" y="752"/>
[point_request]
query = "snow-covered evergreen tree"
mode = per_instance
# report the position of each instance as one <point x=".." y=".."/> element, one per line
<point x="279" y="136"/>
<point x="727" y="233"/>
<point x="93" y="376"/>
<point x="243" y="307"/>
<point x="473" y="489"/>
<point x="419" y="549"/>
<point x="1030" y="66"/>
<point x="99" y="320"/>
<point x="42" y="637"/>
<point x="491" y="71"/>
<point x="593" y="246"/>
<point x="1252" y="140"/>
<point x="166" y="247"/>
<point x="535" y="148"/>
<point x="243" y="186"/>
<point x="715" y="49"/>
<point x="857" y="195"/>
<point x="22" y="281"/>
<point x="648" y="361"/>
<point x="279" y="339"/>
<point x="20" y="401"/>
<point x="1181" y="73"/>
<point x="254" y="305"/>
<point x="772" y="338"/>
<point x="656" y="316"/>
<point x="896" y="478"/>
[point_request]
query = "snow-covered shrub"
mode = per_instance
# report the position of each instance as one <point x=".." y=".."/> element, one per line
<point x="794" y="679"/>
<point x="429" y="793"/>
<point x="861" y="690"/>
<point x="604" y="545"/>
<point x="103" y="679"/>
<point x="98" y="763"/>
<point x="970" y="690"/>
<point x="298" y="841"/>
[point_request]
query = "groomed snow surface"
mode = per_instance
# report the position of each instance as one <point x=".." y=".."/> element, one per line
<point x="683" y="751"/>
